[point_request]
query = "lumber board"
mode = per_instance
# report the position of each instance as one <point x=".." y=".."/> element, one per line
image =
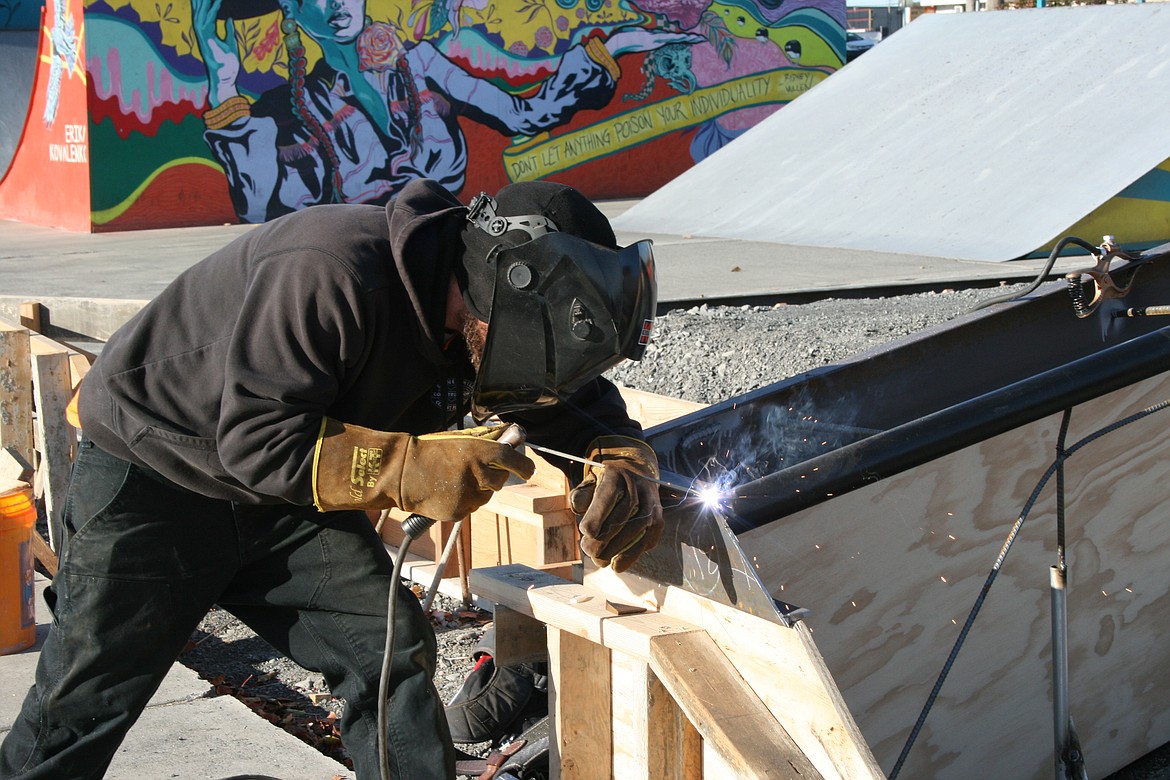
<point x="14" y="468"/>
<point x="16" y="403"/>
<point x="781" y="664"/>
<point x="43" y="553"/>
<point x="32" y="316"/>
<point x="653" y="740"/>
<point x="581" y="747"/>
<point x="56" y="439"/>
<point x="651" y="409"/>
<point x="519" y="637"/>
<point x="528" y="497"/>
<point x="725" y="710"/>
<point x="523" y="537"/>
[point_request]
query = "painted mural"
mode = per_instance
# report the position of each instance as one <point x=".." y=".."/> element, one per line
<point x="208" y="111"/>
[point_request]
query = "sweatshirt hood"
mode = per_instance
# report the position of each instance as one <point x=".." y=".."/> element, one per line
<point x="424" y="221"/>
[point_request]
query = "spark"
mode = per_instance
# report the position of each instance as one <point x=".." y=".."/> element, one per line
<point x="711" y="496"/>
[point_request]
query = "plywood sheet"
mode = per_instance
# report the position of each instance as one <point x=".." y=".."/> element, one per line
<point x="891" y="571"/>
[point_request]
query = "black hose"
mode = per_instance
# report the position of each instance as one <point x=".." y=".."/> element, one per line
<point x="1039" y="280"/>
<point x="413" y="527"/>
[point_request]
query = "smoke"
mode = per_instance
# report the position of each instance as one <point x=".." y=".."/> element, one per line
<point x="760" y="438"/>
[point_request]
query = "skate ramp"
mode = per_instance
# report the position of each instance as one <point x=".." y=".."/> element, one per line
<point x="18" y="66"/>
<point x="967" y="136"/>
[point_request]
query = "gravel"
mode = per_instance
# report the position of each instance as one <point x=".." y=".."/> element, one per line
<point x="705" y="354"/>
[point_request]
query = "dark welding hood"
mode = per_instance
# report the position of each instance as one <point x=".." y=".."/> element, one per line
<point x="563" y="311"/>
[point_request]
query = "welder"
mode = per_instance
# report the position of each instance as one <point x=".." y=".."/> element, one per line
<point x="318" y="366"/>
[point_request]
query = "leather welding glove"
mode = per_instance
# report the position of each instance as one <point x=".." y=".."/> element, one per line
<point x="444" y="476"/>
<point x="621" y="514"/>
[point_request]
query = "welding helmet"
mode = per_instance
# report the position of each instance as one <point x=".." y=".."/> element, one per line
<point x="563" y="302"/>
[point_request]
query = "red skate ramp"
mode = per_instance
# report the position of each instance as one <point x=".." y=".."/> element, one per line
<point x="46" y="181"/>
<point x="18" y="61"/>
<point x="968" y="136"/>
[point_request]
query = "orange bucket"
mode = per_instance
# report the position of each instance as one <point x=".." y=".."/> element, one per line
<point x="18" y="622"/>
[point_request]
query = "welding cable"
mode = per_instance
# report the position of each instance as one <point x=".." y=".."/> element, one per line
<point x="1039" y="280"/>
<point x="1058" y="464"/>
<point x="412" y="527"/>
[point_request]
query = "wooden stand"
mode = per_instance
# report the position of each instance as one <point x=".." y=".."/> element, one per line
<point x="692" y="690"/>
<point x="37" y="378"/>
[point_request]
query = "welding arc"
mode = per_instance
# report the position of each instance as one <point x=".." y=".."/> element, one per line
<point x="587" y="462"/>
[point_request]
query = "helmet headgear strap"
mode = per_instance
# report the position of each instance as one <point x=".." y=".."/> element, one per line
<point x="482" y="214"/>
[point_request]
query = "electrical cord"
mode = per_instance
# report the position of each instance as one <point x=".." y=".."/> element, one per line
<point x="412" y="528"/>
<point x="1039" y="280"/>
<point x="1058" y="464"/>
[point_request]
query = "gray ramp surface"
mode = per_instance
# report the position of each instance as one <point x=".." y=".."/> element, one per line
<point x="967" y="136"/>
<point x="18" y="66"/>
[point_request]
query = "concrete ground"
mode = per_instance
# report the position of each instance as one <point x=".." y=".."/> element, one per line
<point x="186" y="731"/>
<point x="92" y="282"/>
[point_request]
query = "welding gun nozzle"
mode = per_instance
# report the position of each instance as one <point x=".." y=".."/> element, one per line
<point x="513" y="435"/>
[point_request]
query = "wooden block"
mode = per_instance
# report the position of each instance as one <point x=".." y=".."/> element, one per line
<point x="79" y="365"/>
<point x="14" y="467"/>
<point x="32" y="315"/>
<point x="530" y="498"/>
<point x="43" y="553"/>
<point x="520" y="537"/>
<point x="652" y="739"/>
<point x="581" y="744"/>
<point x="651" y="409"/>
<point x="725" y="710"/>
<point x="617" y="608"/>
<point x="16" y="402"/>
<point x="547" y="475"/>
<point x="519" y="637"/>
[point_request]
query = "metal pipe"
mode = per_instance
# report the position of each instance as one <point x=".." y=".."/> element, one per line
<point x="1056" y="585"/>
<point x="1069" y="760"/>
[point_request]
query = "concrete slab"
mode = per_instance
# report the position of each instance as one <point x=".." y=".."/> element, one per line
<point x="182" y="732"/>
<point x="92" y="283"/>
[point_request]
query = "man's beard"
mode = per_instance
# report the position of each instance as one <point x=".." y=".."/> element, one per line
<point x="475" y="337"/>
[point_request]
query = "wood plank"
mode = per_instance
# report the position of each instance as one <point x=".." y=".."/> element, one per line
<point x="56" y="438"/>
<point x="528" y="497"/>
<point x="725" y="710"/>
<point x="822" y="725"/>
<point x="14" y="468"/>
<point x="653" y="740"/>
<point x="523" y="537"/>
<point x="651" y="409"/>
<point x="43" y="553"/>
<point x="581" y="745"/>
<point x="16" y="401"/>
<point x="32" y="315"/>
<point x="891" y="571"/>
<point x="519" y="637"/>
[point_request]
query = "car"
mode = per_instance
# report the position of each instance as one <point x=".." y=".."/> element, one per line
<point x="856" y="45"/>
